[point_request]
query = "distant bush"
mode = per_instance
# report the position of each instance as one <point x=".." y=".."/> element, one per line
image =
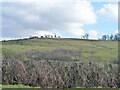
<point x="59" y="74"/>
<point x="57" y="54"/>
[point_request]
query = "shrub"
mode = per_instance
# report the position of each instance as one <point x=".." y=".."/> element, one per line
<point x="59" y="74"/>
<point x="57" y="54"/>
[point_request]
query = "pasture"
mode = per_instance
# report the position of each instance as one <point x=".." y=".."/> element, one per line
<point x="90" y="50"/>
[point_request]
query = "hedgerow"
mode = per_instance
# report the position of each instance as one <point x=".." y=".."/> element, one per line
<point x="59" y="74"/>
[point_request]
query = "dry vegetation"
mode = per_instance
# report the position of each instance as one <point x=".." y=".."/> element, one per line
<point x="59" y="74"/>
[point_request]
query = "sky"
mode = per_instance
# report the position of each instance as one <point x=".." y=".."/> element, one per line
<point x="66" y="19"/>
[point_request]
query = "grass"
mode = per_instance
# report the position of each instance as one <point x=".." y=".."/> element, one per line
<point x="81" y="88"/>
<point x="99" y="51"/>
<point x="17" y="86"/>
<point x="23" y="86"/>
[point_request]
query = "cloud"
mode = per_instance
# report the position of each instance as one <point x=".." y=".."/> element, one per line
<point x="26" y="19"/>
<point x="93" y="34"/>
<point x="117" y="31"/>
<point x="110" y="11"/>
<point x="76" y="32"/>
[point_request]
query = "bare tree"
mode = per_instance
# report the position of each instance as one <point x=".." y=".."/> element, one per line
<point x="111" y="37"/>
<point x="55" y="36"/>
<point x="58" y="36"/>
<point x="104" y="37"/>
<point x="86" y="35"/>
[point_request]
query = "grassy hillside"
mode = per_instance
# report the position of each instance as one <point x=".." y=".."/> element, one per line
<point x="38" y="62"/>
<point x="90" y="50"/>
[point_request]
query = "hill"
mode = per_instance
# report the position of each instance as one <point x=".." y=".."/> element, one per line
<point x="84" y="50"/>
<point x="60" y="63"/>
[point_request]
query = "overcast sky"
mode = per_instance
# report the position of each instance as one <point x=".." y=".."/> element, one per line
<point x="67" y="19"/>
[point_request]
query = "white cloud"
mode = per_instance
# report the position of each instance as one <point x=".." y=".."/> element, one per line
<point x="5" y="38"/>
<point x="76" y="32"/>
<point x="117" y="31"/>
<point x="42" y="33"/>
<point x="93" y="34"/>
<point x="25" y="19"/>
<point x="109" y="11"/>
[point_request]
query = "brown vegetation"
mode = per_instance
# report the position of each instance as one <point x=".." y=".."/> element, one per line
<point x="59" y="74"/>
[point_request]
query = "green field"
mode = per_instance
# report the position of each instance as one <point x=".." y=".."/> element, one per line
<point x="81" y="88"/>
<point x="23" y="86"/>
<point x="15" y="86"/>
<point x="91" y="50"/>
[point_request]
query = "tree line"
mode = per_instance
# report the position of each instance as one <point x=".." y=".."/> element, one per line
<point x="45" y="36"/>
<point x="115" y="37"/>
<point x="111" y="37"/>
<point x="37" y="37"/>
